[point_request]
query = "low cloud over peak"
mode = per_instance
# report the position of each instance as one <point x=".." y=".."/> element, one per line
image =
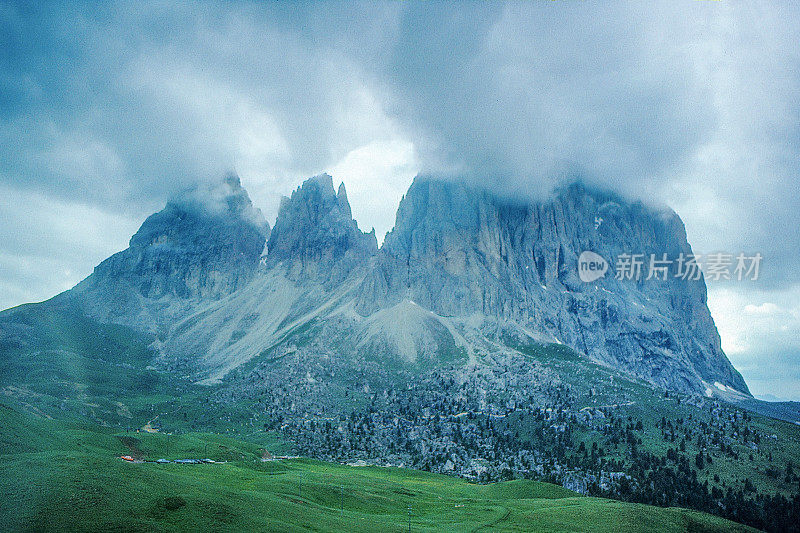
<point x="113" y="109"/>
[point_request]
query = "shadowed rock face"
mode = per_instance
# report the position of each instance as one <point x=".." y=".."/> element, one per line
<point x="203" y="245"/>
<point x="315" y="235"/>
<point x="462" y="252"/>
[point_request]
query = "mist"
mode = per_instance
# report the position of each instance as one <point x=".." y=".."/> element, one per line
<point x="114" y="109"/>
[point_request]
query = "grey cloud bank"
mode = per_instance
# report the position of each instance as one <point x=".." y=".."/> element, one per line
<point x="107" y="111"/>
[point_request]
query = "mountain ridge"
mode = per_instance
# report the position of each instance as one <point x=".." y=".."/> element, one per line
<point x="460" y="251"/>
<point x="482" y="270"/>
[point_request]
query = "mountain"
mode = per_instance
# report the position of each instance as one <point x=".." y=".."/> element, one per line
<point x="315" y="235"/>
<point x="316" y="256"/>
<point x="466" y="344"/>
<point x="206" y="243"/>
<point x="512" y="266"/>
<point x="463" y="274"/>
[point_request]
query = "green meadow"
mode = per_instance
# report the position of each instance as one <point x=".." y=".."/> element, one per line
<point x="62" y="475"/>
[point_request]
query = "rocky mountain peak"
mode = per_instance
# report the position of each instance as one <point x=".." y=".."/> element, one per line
<point x="463" y="251"/>
<point x="341" y="197"/>
<point x="315" y="230"/>
<point x="483" y="267"/>
<point x="205" y="243"/>
<point x="188" y="216"/>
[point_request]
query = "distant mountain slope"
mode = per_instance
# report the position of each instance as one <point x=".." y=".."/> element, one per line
<point x="204" y="244"/>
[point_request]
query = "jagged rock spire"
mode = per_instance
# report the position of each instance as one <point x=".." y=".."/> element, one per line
<point x="341" y="198"/>
<point x="206" y="242"/>
<point x="315" y="231"/>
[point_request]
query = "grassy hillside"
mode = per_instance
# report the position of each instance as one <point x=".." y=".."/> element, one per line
<point x="62" y="362"/>
<point x="63" y="475"/>
<point x="567" y="421"/>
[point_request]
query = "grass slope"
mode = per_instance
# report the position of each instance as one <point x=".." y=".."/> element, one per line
<point x="66" y="475"/>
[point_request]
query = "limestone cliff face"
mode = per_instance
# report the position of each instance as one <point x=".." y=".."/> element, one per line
<point x="203" y="245"/>
<point x="315" y="235"/>
<point x="463" y="252"/>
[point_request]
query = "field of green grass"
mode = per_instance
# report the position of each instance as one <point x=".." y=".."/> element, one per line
<point x="61" y="475"/>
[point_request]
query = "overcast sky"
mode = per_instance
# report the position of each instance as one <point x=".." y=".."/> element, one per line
<point x="106" y="111"/>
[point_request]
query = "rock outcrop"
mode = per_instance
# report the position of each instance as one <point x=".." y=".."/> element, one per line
<point x="315" y="235"/>
<point x="205" y="244"/>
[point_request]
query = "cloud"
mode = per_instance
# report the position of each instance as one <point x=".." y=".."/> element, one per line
<point x="376" y="200"/>
<point x="111" y="109"/>
<point x="693" y="104"/>
<point x="539" y="94"/>
<point x="760" y="333"/>
<point x="49" y="245"/>
<point x="147" y="100"/>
